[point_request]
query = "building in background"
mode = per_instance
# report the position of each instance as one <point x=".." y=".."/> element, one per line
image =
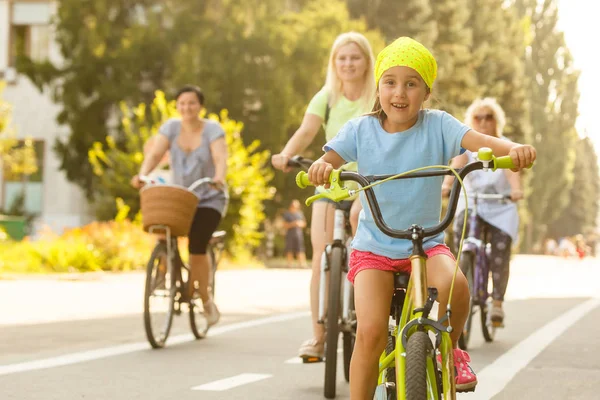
<point x="25" y="26"/>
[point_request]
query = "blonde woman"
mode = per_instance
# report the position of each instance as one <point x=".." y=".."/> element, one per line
<point x="349" y="92"/>
<point x="500" y="221"/>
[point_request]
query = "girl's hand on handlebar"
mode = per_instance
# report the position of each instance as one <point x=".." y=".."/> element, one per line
<point x="280" y="162"/>
<point x="522" y="155"/>
<point x="318" y="173"/>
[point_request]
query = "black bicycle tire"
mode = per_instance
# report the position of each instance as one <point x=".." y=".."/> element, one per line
<point x="159" y="249"/>
<point x="332" y="324"/>
<point x="487" y="335"/>
<point x="418" y="348"/>
<point x="390" y="347"/>
<point x="466" y="266"/>
<point x="349" y="338"/>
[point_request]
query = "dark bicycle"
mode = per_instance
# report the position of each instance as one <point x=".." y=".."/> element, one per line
<point x="339" y="315"/>
<point x="166" y="293"/>
<point x="474" y="263"/>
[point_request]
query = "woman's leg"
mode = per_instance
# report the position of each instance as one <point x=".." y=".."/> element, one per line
<point x="321" y="233"/>
<point x="354" y="213"/>
<point x="440" y="270"/>
<point x="373" y="290"/>
<point x="499" y="262"/>
<point x="205" y="223"/>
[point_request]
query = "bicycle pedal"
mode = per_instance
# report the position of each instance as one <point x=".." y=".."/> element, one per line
<point x="311" y="360"/>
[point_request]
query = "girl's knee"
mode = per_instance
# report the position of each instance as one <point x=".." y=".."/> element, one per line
<point x="371" y="337"/>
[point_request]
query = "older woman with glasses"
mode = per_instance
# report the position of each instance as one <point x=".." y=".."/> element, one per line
<point x="500" y="220"/>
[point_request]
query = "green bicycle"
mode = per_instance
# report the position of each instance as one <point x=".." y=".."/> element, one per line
<point x="408" y="367"/>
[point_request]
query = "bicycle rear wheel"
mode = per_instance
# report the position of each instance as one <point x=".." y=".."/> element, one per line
<point x="332" y="325"/>
<point x="159" y="297"/>
<point x="418" y="351"/>
<point x="466" y="265"/>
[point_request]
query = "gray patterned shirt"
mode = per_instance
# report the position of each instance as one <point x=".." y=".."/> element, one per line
<point x="197" y="164"/>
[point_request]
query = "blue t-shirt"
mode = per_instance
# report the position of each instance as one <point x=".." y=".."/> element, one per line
<point x="433" y="140"/>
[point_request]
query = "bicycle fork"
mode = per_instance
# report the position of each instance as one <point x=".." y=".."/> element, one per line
<point x="339" y="240"/>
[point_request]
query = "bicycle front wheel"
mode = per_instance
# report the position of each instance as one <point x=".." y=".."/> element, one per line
<point x="419" y="351"/>
<point x="159" y="297"/>
<point x="332" y="325"/>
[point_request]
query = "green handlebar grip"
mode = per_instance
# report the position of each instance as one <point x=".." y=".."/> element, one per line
<point x="505" y="162"/>
<point x="302" y="180"/>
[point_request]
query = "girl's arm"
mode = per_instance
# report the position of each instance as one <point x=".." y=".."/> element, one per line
<point x="318" y="173"/>
<point x="301" y="139"/>
<point x="522" y="155"/>
<point x="151" y="160"/>
<point x="218" y="150"/>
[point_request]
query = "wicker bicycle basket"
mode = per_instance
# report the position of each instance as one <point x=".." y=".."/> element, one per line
<point x="169" y="205"/>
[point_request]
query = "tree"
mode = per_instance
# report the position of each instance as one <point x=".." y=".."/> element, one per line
<point x="247" y="176"/>
<point x="582" y="210"/>
<point x="266" y="62"/>
<point x="498" y="48"/>
<point x="411" y="18"/>
<point x="552" y="85"/>
<point x="456" y="85"/>
<point x="112" y="50"/>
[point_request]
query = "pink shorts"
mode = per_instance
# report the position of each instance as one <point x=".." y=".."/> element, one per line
<point x="360" y="260"/>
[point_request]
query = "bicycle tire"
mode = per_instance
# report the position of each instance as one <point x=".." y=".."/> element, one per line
<point x="466" y="266"/>
<point x="489" y="332"/>
<point x="332" y="325"/>
<point x="349" y="338"/>
<point x="160" y="250"/>
<point x="418" y="349"/>
<point x="390" y="347"/>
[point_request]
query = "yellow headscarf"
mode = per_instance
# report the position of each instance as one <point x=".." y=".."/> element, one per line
<point x="407" y="52"/>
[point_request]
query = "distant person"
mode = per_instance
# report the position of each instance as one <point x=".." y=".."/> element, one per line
<point x="294" y="235"/>
<point x="499" y="220"/>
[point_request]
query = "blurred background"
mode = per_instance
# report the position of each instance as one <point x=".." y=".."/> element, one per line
<point x="86" y="84"/>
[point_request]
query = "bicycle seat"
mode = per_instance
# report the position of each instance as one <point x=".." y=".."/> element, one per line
<point x="401" y="280"/>
<point x="217" y="237"/>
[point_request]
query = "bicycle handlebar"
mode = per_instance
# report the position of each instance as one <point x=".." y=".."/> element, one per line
<point x="199" y="182"/>
<point x="300" y="162"/>
<point x="336" y="192"/>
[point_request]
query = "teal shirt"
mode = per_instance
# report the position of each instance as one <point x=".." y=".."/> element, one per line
<point x="433" y="140"/>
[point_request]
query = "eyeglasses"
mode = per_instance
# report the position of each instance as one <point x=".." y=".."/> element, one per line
<point x="486" y="117"/>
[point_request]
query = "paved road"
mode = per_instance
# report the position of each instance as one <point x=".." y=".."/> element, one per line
<point x="84" y="339"/>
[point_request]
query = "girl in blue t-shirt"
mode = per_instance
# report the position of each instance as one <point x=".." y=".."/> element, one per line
<point x="399" y="135"/>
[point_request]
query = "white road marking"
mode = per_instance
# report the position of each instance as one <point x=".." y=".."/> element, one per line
<point x="90" y="355"/>
<point x="230" y="383"/>
<point x="493" y="378"/>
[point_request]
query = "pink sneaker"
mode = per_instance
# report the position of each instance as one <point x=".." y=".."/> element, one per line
<point x="466" y="380"/>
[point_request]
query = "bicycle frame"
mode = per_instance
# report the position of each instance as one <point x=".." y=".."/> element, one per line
<point x="414" y="316"/>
